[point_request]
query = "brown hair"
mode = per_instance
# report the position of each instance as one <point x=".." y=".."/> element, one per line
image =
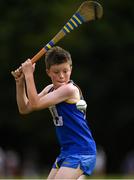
<point x="57" y="55"/>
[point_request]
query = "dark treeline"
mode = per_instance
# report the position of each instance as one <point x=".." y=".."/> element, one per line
<point x="103" y="62"/>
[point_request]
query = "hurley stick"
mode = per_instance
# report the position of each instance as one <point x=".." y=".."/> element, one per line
<point x="88" y="11"/>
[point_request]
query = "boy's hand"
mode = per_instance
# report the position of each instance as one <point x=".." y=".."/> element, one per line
<point x="18" y="74"/>
<point x="28" y="67"/>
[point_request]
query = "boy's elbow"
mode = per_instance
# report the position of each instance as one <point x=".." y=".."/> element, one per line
<point x="24" y="111"/>
<point x="33" y="106"/>
<point x="30" y="107"/>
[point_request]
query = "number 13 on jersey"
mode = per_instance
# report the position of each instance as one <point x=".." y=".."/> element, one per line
<point x="58" y="120"/>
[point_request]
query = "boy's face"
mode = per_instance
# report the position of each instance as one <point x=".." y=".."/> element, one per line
<point x="59" y="74"/>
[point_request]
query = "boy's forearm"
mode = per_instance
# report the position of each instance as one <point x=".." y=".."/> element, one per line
<point x="31" y="90"/>
<point x="22" y="100"/>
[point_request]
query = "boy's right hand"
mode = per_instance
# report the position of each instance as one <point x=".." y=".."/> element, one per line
<point x="18" y="74"/>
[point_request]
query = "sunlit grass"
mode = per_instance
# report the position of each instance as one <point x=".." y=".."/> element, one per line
<point x="88" y="177"/>
<point x="111" y="177"/>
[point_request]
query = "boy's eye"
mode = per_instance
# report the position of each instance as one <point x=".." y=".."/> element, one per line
<point x="64" y="71"/>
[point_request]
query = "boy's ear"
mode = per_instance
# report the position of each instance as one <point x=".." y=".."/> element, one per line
<point x="71" y="68"/>
<point x="48" y="73"/>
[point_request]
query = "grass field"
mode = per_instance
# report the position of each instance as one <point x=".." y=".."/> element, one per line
<point x="112" y="177"/>
<point x="92" y="177"/>
<point x="45" y="173"/>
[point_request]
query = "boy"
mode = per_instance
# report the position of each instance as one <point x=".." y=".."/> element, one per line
<point x="78" y="149"/>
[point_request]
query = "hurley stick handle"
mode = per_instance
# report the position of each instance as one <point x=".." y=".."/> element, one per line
<point x="38" y="55"/>
<point x="35" y="58"/>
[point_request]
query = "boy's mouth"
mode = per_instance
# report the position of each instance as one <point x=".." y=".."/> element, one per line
<point x="61" y="82"/>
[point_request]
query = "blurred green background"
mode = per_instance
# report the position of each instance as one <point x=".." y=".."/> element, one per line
<point x="103" y="62"/>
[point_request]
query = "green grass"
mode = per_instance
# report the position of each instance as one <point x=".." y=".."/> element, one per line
<point x="91" y="177"/>
<point x="111" y="177"/>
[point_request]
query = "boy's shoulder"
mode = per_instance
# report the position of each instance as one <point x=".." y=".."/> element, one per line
<point x="70" y="89"/>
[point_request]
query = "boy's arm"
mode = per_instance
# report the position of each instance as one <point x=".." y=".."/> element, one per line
<point x="36" y="101"/>
<point x="21" y="97"/>
<point x="45" y="100"/>
<point x="22" y="100"/>
<point x="26" y="94"/>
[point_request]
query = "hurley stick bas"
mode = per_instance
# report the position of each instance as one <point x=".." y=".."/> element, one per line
<point x="88" y="11"/>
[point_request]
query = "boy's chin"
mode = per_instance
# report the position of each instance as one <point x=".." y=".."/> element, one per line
<point x="59" y="84"/>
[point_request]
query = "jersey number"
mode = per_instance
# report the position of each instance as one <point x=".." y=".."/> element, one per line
<point x="58" y="120"/>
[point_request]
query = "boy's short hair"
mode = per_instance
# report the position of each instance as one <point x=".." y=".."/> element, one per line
<point x="57" y="55"/>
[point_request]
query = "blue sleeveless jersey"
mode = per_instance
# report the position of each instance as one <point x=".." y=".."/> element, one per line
<point x="72" y="130"/>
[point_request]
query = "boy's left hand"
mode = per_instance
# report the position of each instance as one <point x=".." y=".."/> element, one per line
<point x="28" y="67"/>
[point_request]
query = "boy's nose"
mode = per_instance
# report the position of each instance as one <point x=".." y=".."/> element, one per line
<point x="61" y="75"/>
